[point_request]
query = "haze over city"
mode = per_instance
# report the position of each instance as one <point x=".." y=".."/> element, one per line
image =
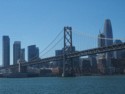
<point x="39" y="22"/>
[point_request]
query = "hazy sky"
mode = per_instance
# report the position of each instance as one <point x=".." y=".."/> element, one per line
<point x="39" y="21"/>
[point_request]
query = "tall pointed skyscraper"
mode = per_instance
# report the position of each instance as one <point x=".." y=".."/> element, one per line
<point x="108" y="33"/>
<point x="108" y="41"/>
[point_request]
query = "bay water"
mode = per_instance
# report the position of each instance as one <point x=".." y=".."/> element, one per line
<point x="68" y="85"/>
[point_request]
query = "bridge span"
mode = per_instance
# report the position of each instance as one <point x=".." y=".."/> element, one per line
<point x="73" y="55"/>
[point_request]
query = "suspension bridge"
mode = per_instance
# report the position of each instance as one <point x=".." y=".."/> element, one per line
<point x="68" y="54"/>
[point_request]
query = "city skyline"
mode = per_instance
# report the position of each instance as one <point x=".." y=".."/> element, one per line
<point x="72" y="46"/>
<point x="30" y="21"/>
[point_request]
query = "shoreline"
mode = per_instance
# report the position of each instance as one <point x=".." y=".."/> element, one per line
<point x="31" y="75"/>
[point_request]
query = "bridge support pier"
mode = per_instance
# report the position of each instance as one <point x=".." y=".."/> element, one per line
<point x="21" y="69"/>
<point x="68" y="70"/>
<point x="67" y="64"/>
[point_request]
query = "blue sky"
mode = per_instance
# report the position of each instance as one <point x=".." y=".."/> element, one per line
<point x="39" y="21"/>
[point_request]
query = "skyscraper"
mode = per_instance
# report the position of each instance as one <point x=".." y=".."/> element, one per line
<point x="22" y="55"/>
<point x="6" y="51"/>
<point x="101" y="57"/>
<point x="118" y="54"/>
<point x="16" y="51"/>
<point x="108" y="33"/>
<point x="33" y="53"/>
<point x="93" y="62"/>
<point x="37" y="52"/>
<point x="108" y="41"/>
<point x="60" y="62"/>
<point x="101" y="40"/>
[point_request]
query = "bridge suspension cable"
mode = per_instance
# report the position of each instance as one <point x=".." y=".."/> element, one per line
<point x="96" y="37"/>
<point x="86" y="40"/>
<point x="35" y="57"/>
<point x="53" y="46"/>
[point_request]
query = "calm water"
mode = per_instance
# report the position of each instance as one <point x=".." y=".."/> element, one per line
<point x="57" y="85"/>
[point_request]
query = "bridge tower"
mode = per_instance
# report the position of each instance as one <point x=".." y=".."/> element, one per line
<point x="67" y="63"/>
